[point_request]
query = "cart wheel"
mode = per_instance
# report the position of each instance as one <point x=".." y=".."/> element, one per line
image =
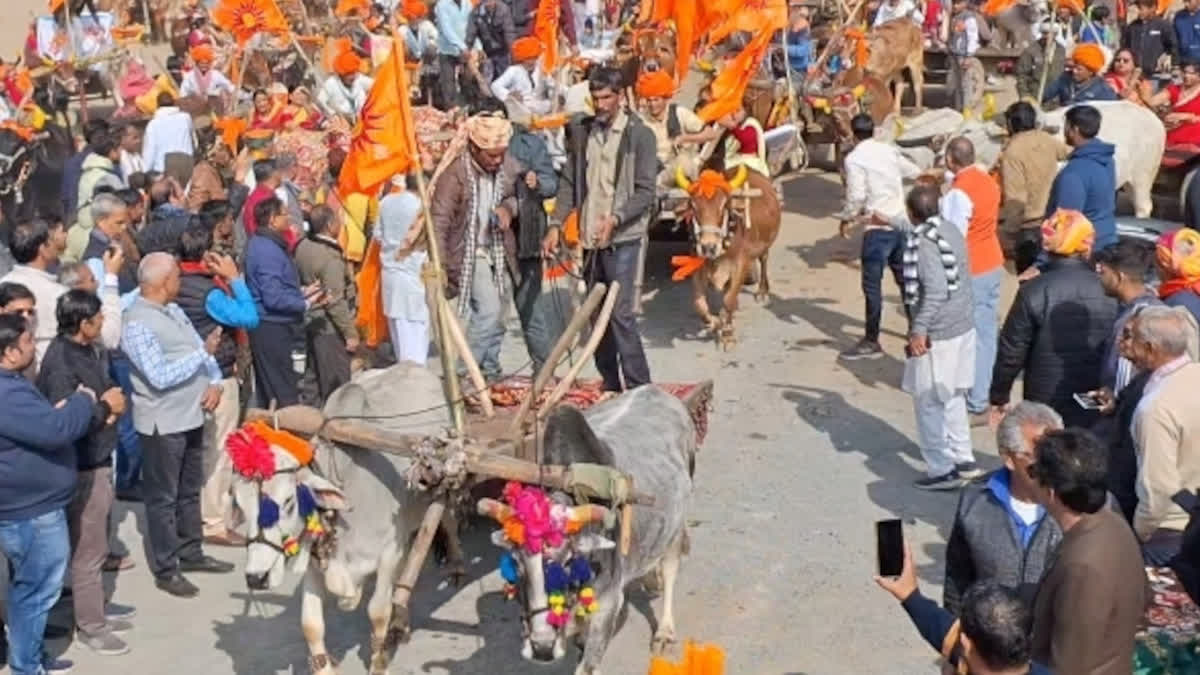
<point x="1183" y="188"/>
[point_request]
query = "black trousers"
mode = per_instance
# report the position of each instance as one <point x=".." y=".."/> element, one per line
<point x="275" y="378"/>
<point x="620" y="352"/>
<point x="172" y="476"/>
<point x="448" y="70"/>
<point x="330" y="361"/>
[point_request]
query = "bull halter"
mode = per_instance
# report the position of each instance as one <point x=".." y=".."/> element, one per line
<point x="16" y="186"/>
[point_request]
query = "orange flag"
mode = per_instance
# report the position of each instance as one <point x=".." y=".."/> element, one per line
<point x="752" y="16"/>
<point x="246" y="18"/>
<point x="383" y="143"/>
<point x="729" y="86"/>
<point x="545" y="29"/>
<point x="371" y="320"/>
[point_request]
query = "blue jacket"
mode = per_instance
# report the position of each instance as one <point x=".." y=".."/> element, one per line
<point x="273" y="279"/>
<point x="1187" y="31"/>
<point x="1066" y="91"/>
<point x="933" y="623"/>
<point x="37" y="452"/>
<point x="1088" y="183"/>
<point x="800" y="50"/>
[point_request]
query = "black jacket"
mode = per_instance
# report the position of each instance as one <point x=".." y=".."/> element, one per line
<point x="1055" y="333"/>
<point x="494" y="28"/>
<point x="983" y="546"/>
<point x="194" y="288"/>
<point x="1149" y="39"/>
<point x="67" y="365"/>
<point x="162" y="233"/>
<point x="98" y="242"/>
<point x="1122" y="455"/>
<point x="531" y="153"/>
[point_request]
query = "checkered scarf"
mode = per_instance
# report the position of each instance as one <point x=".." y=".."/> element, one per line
<point x="912" y="251"/>
<point x="472" y="234"/>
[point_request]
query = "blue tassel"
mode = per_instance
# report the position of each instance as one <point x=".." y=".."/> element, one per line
<point x="556" y="578"/>
<point x="268" y="512"/>
<point x="508" y="568"/>
<point x="305" y="500"/>
<point x="581" y="571"/>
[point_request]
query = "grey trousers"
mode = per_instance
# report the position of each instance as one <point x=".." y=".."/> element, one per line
<point x="87" y="522"/>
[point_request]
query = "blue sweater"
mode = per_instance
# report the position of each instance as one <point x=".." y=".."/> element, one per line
<point x="37" y="452"/>
<point x="273" y="279"/>
<point x="1088" y="184"/>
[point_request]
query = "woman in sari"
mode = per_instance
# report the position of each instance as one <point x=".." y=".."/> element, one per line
<point x="266" y="112"/>
<point x="1178" y="257"/>
<point x="1182" y="104"/>
<point x="300" y="112"/>
<point x="1127" y="80"/>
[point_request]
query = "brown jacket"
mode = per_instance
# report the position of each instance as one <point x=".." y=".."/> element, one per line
<point x="448" y="208"/>
<point x="1028" y="166"/>
<point x="206" y="185"/>
<point x="319" y="259"/>
<point x="1091" y="599"/>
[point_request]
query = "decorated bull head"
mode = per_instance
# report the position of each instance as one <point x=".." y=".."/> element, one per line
<point x="17" y="163"/>
<point x="546" y="563"/>
<point x="288" y="507"/>
<point x="656" y="49"/>
<point x="711" y="196"/>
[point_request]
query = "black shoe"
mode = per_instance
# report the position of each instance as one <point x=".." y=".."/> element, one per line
<point x="53" y="632"/>
<point x="968" y="470"/>
<point x="206" y="563"/>
<point x="947" y="481"/>
<point x="865" y="349"/>
<point x="177" y="586"/>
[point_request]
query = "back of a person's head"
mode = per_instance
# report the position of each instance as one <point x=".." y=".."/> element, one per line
<point x="139" y="180"/>
<point x="214" y="211"/>
<point x="320" y="219"/>
<point x="265" y="210"/>
<point x="129" y="196"/>
<point x="26" y="239"/>
<point x="74" y="307"/>
<point x="11" y="291"/>
<point x="1099" y="12"/>
<point x="165" y="100"/>
<point x="1021" y="116"/>
<point x="961" y="151"/>
<point x="922" y="202"/>
<point x="94" y="127"/>
<point x="1085" y="119"/>
<point x="195" y="241"/>
<point x="1132" y="257"/>
<point x="106" y="142"/>
<point x="1074" y="464"/>
<point x="264" y="169"/>
<point x="862" y="126"/>
<point x="998" y="624"/>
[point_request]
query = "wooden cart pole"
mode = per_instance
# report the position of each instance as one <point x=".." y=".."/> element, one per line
<point x="837" y="38"/>
<point x="455" y="332"/>
<point x="415" y="560"/>
<point x="1051" y="45"/>
<point x="73" y="56"/>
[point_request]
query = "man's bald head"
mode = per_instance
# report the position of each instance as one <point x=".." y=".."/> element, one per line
<point x="960" y="153"/>
<point x="158" y="277"/>
<point x="922" y="203"/>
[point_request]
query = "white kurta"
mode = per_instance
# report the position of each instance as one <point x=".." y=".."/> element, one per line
<point x="532" y="90"/>
<point x="344" y="100"/>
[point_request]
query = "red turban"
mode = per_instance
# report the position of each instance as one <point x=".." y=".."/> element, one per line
<point x="1089" y="56"/>
<point x="347" y="63"/>
<point x="202" y="54"/>
<point x="657" y="84"/>
<point x="526" y="49"/>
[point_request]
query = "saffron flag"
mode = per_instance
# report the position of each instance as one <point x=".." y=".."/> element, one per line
<point x="751" y="16"/>
<point x="545" y="29"/>
<point x="383" y="143"/>
<point x="729" y="87"/>
<point x="246" y="18"/>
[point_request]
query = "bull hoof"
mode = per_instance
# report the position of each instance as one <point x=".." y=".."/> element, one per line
<point x="320" y="664"/>
<point x="399" y="629"/>
<point x="457" y="574"/>
<point x="662" y="642"/>
<point x="726" y="339"/>
<point x="761" y="296"/>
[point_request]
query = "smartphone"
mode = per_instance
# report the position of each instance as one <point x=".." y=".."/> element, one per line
<point x="889" y="547"/>
<point x="1088" y="401"/>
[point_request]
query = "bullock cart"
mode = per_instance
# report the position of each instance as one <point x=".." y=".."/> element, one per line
<point x="997" y="61"/>
<point x="503" y="439"/>
<point x="1177" y="171"/>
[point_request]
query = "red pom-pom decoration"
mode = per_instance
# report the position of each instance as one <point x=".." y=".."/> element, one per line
<point x="251" y="454"/>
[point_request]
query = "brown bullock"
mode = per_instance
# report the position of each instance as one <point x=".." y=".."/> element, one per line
<point x="731" y="232"/>
<point x="895" y="46"/>
<point x="644" y="50"/>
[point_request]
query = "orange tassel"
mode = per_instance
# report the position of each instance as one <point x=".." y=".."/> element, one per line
<point x="685" y="266"/>
<point x="294" y="445"/>
<point x="697" y="660"/>
<point x="570" y="229"/>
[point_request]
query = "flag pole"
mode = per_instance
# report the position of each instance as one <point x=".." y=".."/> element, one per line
<point x="435" y="280"/>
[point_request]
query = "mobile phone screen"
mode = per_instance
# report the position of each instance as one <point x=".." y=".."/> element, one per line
<point x="889" y="541"/>
<point x="1088" y="402"/>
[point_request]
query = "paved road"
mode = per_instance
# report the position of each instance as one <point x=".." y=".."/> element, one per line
<point x="803" y="455"/>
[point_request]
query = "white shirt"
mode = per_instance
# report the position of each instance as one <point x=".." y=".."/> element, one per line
<point x="45" y="289"/>
<point x="533" y="90"/>
<point x="903" y="8"/>
<point x="874" y="180"/>
<point x="955" y="207"/>
<point x="169" y="131"/>
<point x="971" y="27"/>
<point x="131" y="163"/>
<point x="337" y="97"/>
<point x="214" y="84"/>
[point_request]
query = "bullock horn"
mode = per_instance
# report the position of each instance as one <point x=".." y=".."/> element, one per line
<point x="589" y="513"/>
<point x="739" y="178"/>
<point x="681" y="180"/>
<point x="493" y="509"/>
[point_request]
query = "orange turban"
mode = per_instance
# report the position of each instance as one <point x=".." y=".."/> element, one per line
<point x="202" y="54"/>
<point x="1073" y="5"/>
<point x="347" y="63"/>
<point x="54" y="5"/>
<point x="414" y="9"/>
<point x="526" y="48"/>
<point x="657" y="84"/>
<point x="1089" y="56"/>
<point x="1067" y="233"/>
